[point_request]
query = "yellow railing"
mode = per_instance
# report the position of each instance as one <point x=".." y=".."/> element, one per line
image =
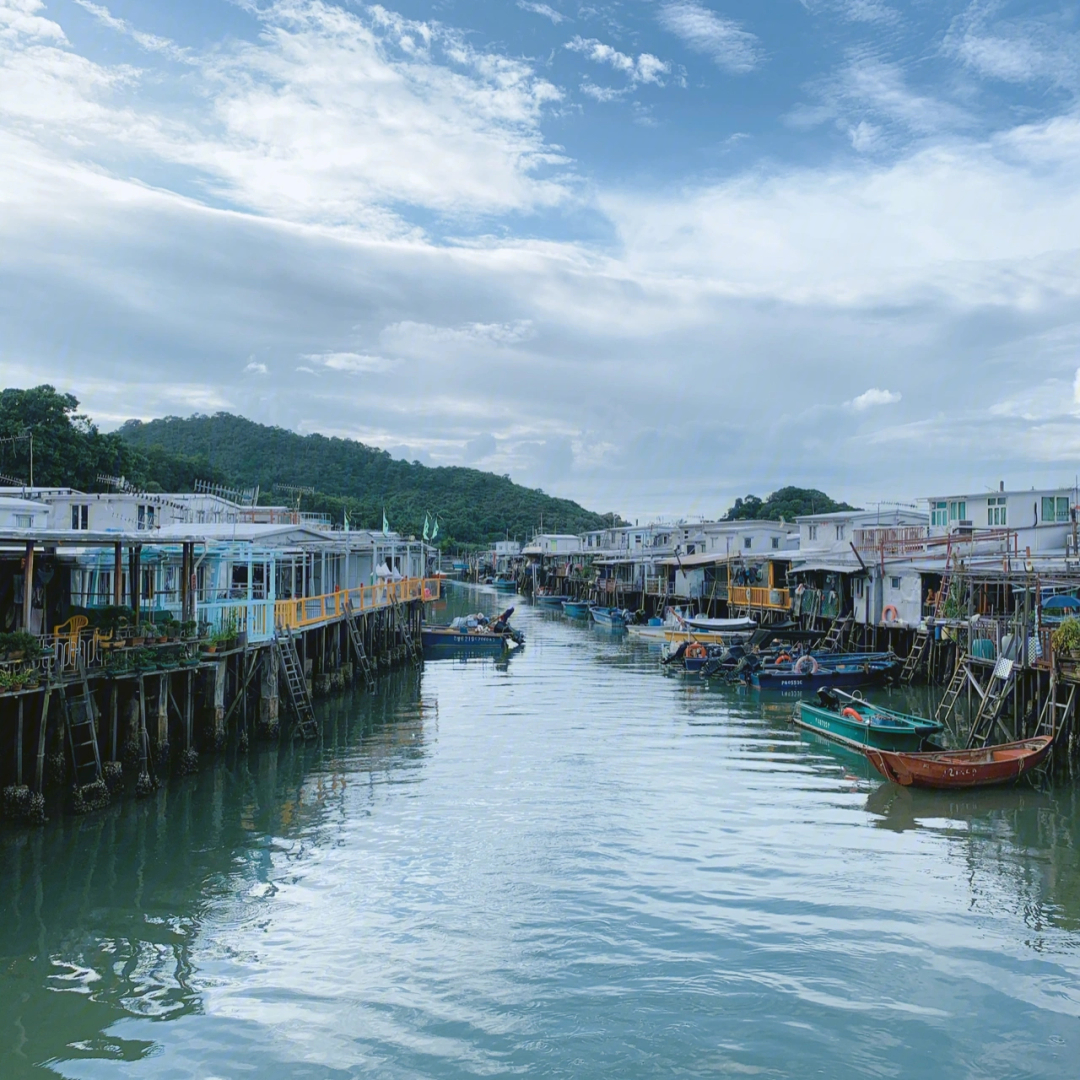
<point x="759" y="597"/>
<point x="310" y="610"/>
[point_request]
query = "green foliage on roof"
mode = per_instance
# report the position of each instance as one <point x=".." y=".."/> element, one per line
<point x="787" y="503"/>
<point x="473" y="506"/>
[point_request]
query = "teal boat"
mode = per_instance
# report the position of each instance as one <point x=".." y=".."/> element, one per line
<point x="578" y="609"/>
<point x="856" y="723"/>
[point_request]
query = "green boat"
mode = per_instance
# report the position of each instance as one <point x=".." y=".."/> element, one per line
<point x="856" y="723"/>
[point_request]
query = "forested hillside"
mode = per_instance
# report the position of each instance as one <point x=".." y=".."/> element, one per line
<point x="472" y="506"/>
<point x="787" y="503"/>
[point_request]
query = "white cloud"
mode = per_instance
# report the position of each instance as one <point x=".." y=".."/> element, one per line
<point x="874" y="397"/>
<point x="724" y="40"/>
<point x="349" y="362"/>
<point x="542" y="9"/>
<point x="645" y="69"/>
<point x="20" y="18"/>
<point x="255" y="367"/>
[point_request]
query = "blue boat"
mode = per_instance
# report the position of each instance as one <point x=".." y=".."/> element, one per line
<point x="472" y="633"/>
<point x="577" y="609"/>
<point x="505" y="584"/>
<point x="811" y="676"/>
<point x="615" y="618"/>
<point x="550" y="599"/>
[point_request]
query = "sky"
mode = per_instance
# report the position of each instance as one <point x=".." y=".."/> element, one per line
<point x="648" y="254"/>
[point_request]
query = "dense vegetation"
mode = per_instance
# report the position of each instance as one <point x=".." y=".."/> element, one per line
<point x="787" y="503"/>
<point x="472" y="506"/>
<point x="69" y="451"/>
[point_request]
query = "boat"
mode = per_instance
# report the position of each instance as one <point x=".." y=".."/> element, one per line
<point x="719" y="626"/>
<point x="612" y="617"/>
<point x="475" y="633"/>
<point x="811" y="672"/>
<point x="504" y="584"/>
<point x="546" y="599"/>
<point x="578" y="609"/>
<point x="952" y="769"/>
<point x="854" y="722"/>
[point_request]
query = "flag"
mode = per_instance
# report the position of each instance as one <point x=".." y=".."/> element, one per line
<point x="435" y="529"/>
<point x="427" y="527"/>
<point x="346" y="520"/>
<point x="385" y="524"/>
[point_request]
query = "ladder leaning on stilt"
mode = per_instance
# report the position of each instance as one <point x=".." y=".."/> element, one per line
<point x="299" y="695"/>
<point x="357" y="639"/>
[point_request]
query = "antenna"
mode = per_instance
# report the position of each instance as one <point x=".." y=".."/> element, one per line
<point x="13" y="481"/>
<point x="242" y="497"/>
<point x="26" y="435"/>
<point x="293" y="489"/>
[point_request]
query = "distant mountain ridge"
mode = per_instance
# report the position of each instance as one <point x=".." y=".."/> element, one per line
<point x="473" y="506"/>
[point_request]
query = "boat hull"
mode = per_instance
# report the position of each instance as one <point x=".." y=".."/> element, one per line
<point x="609" y="617"/>
<point x="461" y="640"/>
<point x="835" y="676"/>
<point x="576" y="609"/>
<point x="957" y="769"/>
<point x="876" y="732"/>
<point x="550" y="601"/>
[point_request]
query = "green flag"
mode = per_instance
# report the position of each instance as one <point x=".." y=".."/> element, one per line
<point x="346" y="520"/>
<point x="385" y="524"/>
<point x="427" y="527"/>
<point x="435" y="529"/>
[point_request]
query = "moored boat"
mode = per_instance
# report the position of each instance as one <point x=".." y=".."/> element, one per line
<point x="475" y="633"/>
<point x="950" y="769"/>
<point x="505" y="584"/>
<point x="611" y="617"/>
<point x="810" y="672"/>
<point x="856" y="723"/>
<point x="547" y="599"/>
<point x="578" y="609"/>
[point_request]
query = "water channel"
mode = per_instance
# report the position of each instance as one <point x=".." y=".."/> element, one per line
<point x="565" y="864"/>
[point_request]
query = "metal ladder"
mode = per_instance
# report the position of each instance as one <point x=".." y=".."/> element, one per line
<point x="299" y="695"/>
<point x="1054" y="712"/>
<point x="357" y="640"/>
<point x="915" y="657"/>
<point x="1000" y="685"/>
<point x="81" y="724"/>
<point x="946" y="582"/>
<point x="406" y="634"/>
<point x="947" y="704"/>
<point x="834" y="639"/>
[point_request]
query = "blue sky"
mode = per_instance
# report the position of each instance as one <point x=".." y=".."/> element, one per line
<point x="651" y="254"/>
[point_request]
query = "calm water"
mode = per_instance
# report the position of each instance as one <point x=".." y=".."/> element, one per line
<point x="566" y="865"/>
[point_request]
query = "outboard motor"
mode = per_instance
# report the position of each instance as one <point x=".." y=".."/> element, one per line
<point x="828" y="699"/>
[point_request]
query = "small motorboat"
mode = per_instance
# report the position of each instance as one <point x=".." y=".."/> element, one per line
<point x="473" y="633"/>
<point x="504" y="583"/>
<point x="952" y="769"/>
<point x="549" y="599"/>
<point x="857" y="723"/>
<point x="811" y="671"/>
<point x="577" y="609"/>
<point x="615" y="618"/>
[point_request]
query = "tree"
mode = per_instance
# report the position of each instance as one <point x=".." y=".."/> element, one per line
<point x="787" y="503"/>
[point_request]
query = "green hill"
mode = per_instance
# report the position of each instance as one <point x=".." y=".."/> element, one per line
<point x="473" y="506"/>
<point x="787" y="503"/>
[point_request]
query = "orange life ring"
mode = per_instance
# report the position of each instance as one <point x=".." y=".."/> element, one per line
<point x="783" y="658"/>
<point x="696" y="651"/>
<point x="885" y="614"/>
<point x="854" y="714"/>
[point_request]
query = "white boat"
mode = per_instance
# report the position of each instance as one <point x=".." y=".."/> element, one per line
<point x="720" y="626"/>
<point x="677" y="627"/>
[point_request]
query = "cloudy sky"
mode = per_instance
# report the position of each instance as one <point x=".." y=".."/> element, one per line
<point x="650" y="254"/>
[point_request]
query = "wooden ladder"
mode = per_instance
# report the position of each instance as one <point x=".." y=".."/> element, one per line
<point x="946" y="582"/>
<point x="915" y="657"/>
<point x="357" y="640"/>
<point x="998" y="689"/>
<point x="299" y="695"/>
<point x="1055" y="712"/>
<point x="80" y="720"/>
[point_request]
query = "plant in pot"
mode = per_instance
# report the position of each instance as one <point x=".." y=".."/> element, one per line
<point x="31" y="678"/>
<point x="143" y="660"/>
<point x="189" y="629"/>
<point x="1066" y="638"/>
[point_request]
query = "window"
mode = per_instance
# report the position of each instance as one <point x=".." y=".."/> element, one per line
<point x="24" y="521"/>
<point x="839" y="532"/>
<point x="895" y="582"/>
<point x="146" y="517"/>
<point x="958" y="510"/>
<point x="858" y="586"/>
<point x="80" y="516"/>
<point x="812" y="530"/>
<point x="995" y="511"/>
<point x="1055" y="509"/>
<point x="776" y="543"/>
<point x="938" y="514"/>
<point x="747" y="541"/>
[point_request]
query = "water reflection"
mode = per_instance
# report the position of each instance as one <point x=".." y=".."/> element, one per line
<point x="559" y="863"/>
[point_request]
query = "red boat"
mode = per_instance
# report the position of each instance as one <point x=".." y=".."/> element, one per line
<point x="1001" y="764"/>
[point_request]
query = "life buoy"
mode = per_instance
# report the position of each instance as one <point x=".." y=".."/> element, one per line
<point x="885" y="614"/>
<point x="801" y="665"/>
<point x="784" y="658"/>
<point x="854" y="714"/>
<point x="696" y="651"/>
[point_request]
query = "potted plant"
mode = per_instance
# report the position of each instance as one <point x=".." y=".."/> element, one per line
<point x="143" y="660"/>
<point x="1066" y="638"/>
<point x="189" y="629"/>
<point x="31" y="678"/>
